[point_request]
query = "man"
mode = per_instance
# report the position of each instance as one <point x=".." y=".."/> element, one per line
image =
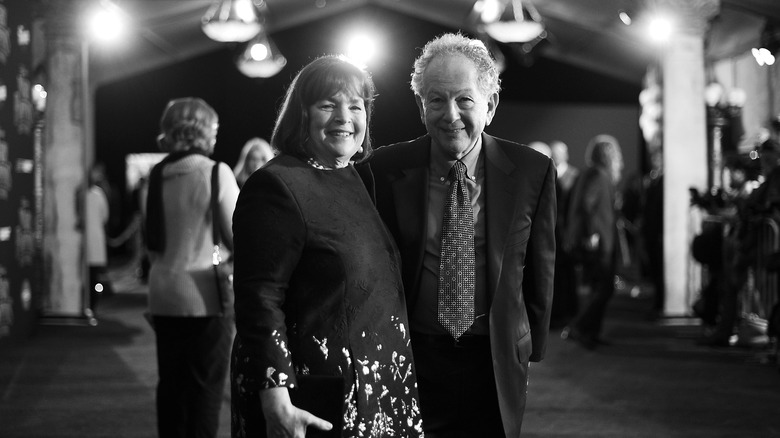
<point x="565" y="299"/>
<point x="472" y="362"/>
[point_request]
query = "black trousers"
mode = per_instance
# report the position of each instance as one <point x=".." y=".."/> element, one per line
<point x="600" y="276"/>
<point x="192" y="359"/>
<point x="457" y="387"/>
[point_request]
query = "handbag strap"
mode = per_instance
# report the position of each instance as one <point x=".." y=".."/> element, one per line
<point x="216" y="257"/>
<point x="215" y="202"/>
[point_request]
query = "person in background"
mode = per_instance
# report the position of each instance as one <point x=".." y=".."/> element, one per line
<point x="652" y="230"/>
<point x="474" y="218"/>
<point x="565" y="300"/>
<point x="192" y="331"/>
<point x="97" y="216"/>
<point x="319" y="298"/>
<point x="592" y="235"/>
<point x="255" y="153"/>
<point x="741" y="245"/>
<point x="541" y="147"/>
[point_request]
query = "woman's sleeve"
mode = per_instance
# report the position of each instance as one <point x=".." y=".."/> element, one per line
<point x="269" y="236"/>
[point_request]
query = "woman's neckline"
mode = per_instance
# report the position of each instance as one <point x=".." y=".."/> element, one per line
<point x="319" y="166"/>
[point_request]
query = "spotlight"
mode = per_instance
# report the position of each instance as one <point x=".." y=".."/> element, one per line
<point x="770" y="45"/>
<point x="107" y="23"/>
<point x="763" y="56"/>
<point x="360" y="49"/>
<point x="660" y="29"/>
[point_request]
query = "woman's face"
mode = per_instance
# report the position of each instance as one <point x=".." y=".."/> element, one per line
<point x="257" y="157"/>
<point x="337" y="128"/>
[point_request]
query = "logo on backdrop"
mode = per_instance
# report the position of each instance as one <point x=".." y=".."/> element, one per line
<point x="23" y="104"/>
<point x="5" y="35"/>
<point x="6" y="304"/>
<point x="5" y="167"/>
<point x="25" y="236"/>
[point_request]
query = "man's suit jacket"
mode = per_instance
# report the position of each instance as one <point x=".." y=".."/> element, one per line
<point x="520" y="210"/>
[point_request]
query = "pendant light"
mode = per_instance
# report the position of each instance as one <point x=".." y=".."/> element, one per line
<point x="519" y="22"/>
<point x="233" y="21"/>
<point x="261" y="58"/>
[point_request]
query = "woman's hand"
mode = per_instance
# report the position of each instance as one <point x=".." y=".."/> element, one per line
<point x="283" y="420"/>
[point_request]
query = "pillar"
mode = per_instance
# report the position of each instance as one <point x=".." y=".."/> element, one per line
<point x="65" y="164"/>
<point x="685" y="145"/>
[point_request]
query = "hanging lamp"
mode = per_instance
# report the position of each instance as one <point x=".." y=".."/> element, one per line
<point x="233" y="21"/>
<point x="261" y="58"/>
<point x="518" y="22"/>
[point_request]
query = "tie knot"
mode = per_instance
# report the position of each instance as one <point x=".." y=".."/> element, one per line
<point x="458" y="171"/>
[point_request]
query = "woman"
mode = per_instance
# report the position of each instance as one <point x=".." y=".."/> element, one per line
<point x="255" y="153"/>
<point x="592" y="232"/>
<point x="317" y="278"/>
<point x="193" y="337"/>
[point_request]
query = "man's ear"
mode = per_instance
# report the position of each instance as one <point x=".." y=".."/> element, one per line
<point x="492" y="105"/>
<point x="420" y="107"/>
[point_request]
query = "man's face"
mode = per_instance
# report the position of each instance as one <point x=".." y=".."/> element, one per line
<point x="453" y="108"/>
<point x="560" y="153"/>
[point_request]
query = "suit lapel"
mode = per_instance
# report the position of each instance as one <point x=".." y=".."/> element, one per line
<point x="410" y="195"/>
<point x="500" y="195"/>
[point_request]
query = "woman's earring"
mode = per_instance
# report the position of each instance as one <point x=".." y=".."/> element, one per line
<point x="360" y="150"/>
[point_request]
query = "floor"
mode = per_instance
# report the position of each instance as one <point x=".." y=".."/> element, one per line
<point x="652" y="381"/>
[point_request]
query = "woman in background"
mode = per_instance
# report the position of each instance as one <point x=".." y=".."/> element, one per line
<point x="319" y="298"/>
<point x="255" y="153"/>
<point x="193" y="335"/>
<point x="592" y="234"/>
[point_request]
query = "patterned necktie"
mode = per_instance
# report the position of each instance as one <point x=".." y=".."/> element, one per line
<point x="457" y="266"/>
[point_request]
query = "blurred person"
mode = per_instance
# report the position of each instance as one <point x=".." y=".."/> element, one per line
<point x="255" y="153"/>
<point x="479" y="302"/>
<point x="740" y="245"/>
<point x="192" y="331"/>
<point x="592" y="235"/>
<point x="97" y="214"/>
<point x="319" y="299"/>
<point x="565" y="300"/>
<point x="567" y="174"/>
<point x="651" y="226"/>
<point x="541" y="147"/>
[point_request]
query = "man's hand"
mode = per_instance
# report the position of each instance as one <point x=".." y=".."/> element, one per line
<point x="283" y="420"/>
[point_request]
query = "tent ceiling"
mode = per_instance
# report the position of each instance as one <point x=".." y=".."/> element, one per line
<point x="586" y="33"/>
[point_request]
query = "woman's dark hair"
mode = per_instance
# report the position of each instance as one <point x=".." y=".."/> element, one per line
<point x="322" y="78"/>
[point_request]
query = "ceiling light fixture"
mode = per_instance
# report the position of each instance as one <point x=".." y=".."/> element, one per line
<point x="518" y="22"/>
<point x="625" y="17"/>
<point x="107" y="23"/>
<point x="233" y="21"/>
<point x="261" y="58"/>
<point x="660" y="29"/>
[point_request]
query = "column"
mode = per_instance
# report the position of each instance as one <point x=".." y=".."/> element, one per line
<point x="684" y="143"/>
<point x="65" y="164"/>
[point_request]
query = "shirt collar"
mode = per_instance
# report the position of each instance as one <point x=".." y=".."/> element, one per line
<point x="442" y="163"/>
